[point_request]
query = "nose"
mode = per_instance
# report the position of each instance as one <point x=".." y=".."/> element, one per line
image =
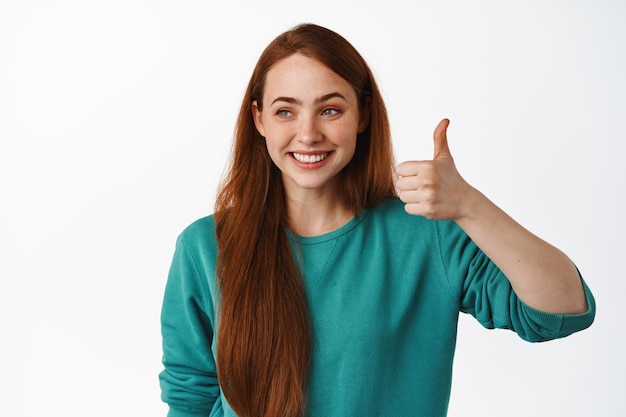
<point x="309" y="130"/>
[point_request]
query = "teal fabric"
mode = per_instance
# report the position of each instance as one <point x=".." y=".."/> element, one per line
<point x="384" y="294"/>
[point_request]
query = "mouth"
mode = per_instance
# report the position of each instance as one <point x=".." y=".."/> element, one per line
<point x="309" y="159"/>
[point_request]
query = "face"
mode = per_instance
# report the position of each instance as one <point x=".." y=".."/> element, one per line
<point x="310" y="120"/>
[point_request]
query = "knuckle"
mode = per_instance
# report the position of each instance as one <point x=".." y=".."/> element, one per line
<point x="429" y="193"/>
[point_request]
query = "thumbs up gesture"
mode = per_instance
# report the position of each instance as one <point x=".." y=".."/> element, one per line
<point x="434" y="189"/>
<point x="541" y="275"/>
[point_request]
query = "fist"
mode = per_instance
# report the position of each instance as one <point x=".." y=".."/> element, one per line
<point x="433" y="189"/>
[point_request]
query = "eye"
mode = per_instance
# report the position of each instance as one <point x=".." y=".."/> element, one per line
<point x="283" y="113"/>
<point x="330" y="111"/>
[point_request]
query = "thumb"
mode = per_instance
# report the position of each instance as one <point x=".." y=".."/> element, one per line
<point x="441" y="140"/>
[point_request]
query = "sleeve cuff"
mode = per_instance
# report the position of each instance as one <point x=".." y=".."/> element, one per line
<point x="562" y="325"/>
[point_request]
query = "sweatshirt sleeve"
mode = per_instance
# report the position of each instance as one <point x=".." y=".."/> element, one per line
<point x="189" y="383"/>
<point x="485" y="292"/>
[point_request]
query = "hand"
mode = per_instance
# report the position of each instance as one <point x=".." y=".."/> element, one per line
<point x="434" y="189"/>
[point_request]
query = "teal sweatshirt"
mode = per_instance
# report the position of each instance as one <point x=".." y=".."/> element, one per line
<point x="384" y="294"/>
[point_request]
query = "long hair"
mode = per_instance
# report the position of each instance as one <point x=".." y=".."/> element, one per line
<point x="264" y="334"/>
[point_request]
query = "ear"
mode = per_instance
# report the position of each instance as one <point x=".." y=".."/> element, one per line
<point x="364" y="115"/>
<point x="257" y="115"/>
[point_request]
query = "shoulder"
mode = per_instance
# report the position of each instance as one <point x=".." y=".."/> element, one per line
<point x="391" y="214"/>
<point x="390" y="208"/>
<point x="199" y="236"/>
<point x="201" y="228"/>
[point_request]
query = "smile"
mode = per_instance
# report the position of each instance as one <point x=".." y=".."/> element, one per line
<point x="309" y="159"/>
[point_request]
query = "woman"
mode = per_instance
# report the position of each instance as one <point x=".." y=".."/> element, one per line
<point x="331" y="294"/>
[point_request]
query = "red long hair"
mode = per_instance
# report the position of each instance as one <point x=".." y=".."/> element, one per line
<point x="264" y="334"/>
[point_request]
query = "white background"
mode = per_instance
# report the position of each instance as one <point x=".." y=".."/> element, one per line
<point x="115" y="124"/>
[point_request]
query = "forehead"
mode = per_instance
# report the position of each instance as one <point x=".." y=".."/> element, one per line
<point x="303" y="77"/>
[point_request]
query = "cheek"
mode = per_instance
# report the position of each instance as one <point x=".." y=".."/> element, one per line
<point x="349" y="137"/>
<point x="273" y="149"/>
<point x="344" y="130"/>
<point x="349" y="141"/>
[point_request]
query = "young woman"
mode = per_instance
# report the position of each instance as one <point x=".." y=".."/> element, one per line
<point x="321" y="286"/>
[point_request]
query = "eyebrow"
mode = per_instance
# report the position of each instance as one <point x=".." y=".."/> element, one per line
<point x="318" y="100"/>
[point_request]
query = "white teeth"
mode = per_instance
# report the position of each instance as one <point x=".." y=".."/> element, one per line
<point x="309" y="159"/>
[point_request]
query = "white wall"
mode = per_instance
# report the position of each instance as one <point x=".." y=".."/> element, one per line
<point x="115" y="125"/>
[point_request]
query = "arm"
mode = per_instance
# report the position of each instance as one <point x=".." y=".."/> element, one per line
<point x="540" y="274"/>
<point x="189" y="380"/>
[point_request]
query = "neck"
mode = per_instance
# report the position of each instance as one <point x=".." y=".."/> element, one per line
<point x="316" y="214"/>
